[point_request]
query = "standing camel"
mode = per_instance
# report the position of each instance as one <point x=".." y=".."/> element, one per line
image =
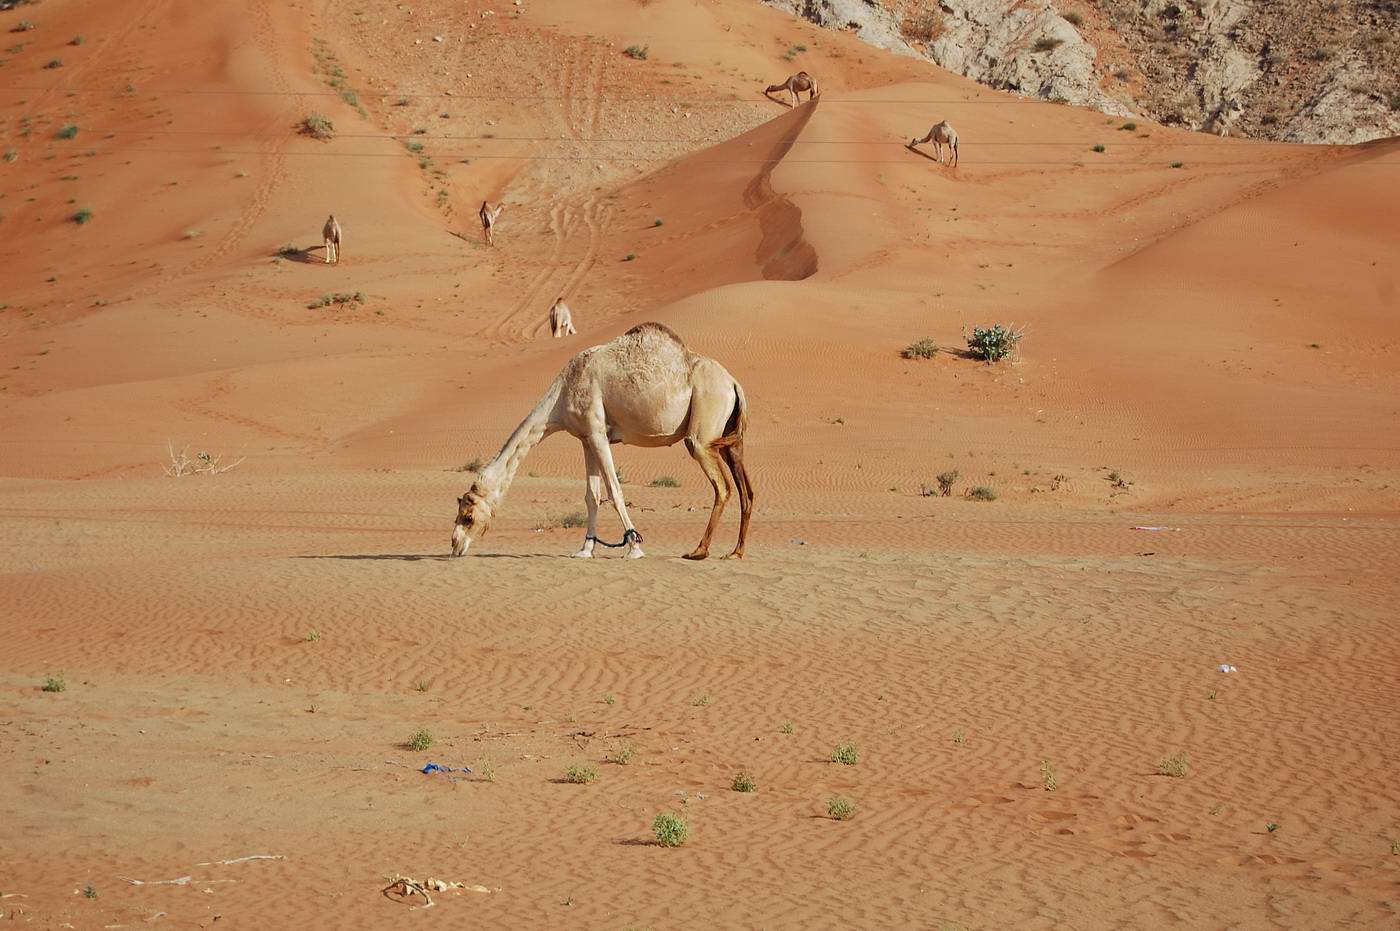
<point x="488" y="220"/>
<point x="644" y="388"/>
<point x="331" y="234"/>
<point x="561" y="321"/>
<point x="940" y="135"/>
<point x="801" y="81"/>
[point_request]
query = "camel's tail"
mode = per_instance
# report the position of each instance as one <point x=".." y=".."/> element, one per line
<point x="738" y="419"/>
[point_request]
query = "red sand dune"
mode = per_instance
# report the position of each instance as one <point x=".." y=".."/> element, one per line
<point x="1221" y="334"/>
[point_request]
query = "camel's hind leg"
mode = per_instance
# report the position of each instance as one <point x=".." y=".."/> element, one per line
<point x="708" y="457"/>
<point x="329" y="249"/>
<point x="734" y="458"/>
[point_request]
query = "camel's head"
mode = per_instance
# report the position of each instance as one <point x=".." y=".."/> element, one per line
<point x="473" y="516"/>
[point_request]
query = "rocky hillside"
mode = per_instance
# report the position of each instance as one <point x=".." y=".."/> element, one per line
<point x="1294" y="70"/>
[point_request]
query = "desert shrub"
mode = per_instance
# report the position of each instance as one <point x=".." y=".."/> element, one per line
<point x="1047" y="44"/>
<point x="23" y="25"/>
<point x="840" y="809"/>
<point x="1047" y="776"/>
<point x="473" y="466"/>
<point x="573" y="519"/>
<point x="1175" y="766"/>
<point x="581" y="775"/>
<point x="981" y="493"/>
<point x="925" y="348"/>
<point x="1074" y="19"/>
<point x="1127" y="127"/>
<point x="54" y="63"/>
<point x="787" y="728"/>
<point x="67" y="131"/>
<point x="288" y="250"/>
<point x="339" y="297"/>
<point x="638" y="52"/>
<point x="414" y="146"/>
<point x="1100" y="148"/>
<point x="11" y="155"/>
<point x="743" y="782"/>
<point x="82" y="216"/>
<point x="946" y="480"/>
<point x="420" y="740"/>
<point x="994" y="343"/>
<point x="670" y="828"/>
<point x="77" y="40"/>
<point x="665" y="481"/>
<point x="623" y="755"/>
<point x="630" y="257"/>
<point x="1176" y="164"/>
<point x="845" y="754"/>
<point x="318" y="126"/>
<point x="657" y="222"/>
<point x="54" y="683"/>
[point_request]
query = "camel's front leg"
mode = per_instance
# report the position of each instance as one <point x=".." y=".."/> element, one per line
<point x="795" y="99"/>
<point x="328" y="251"/>
<point x="591" y="496"/>
<point x="598" y="443"/>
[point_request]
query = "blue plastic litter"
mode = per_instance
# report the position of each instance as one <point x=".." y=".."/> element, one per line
<point x="435" y="768"/>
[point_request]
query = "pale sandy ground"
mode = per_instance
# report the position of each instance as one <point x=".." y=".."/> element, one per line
<point x="1171" y="318"/>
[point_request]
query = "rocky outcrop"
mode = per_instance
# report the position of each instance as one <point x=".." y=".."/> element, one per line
<point x="1294" y="70"/>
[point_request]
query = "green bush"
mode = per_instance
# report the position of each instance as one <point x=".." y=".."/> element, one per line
<point x="664" y="481"/>
<point x="82" y="216"/>
<point x="743" y="782"/>
<point x="638" y="52"/>
<point x="318" y="126"/>
<point x="55" y="683"/>
<point x="992" y="344"/>
<point x="581" y="775"/>
<point x="981" y="493"/>
<point x="840" y="809"/>
<point x="846" y="754"/>
<point x="68" y="131"/>
<point x="670" y="828"/>
<point x="925" y="348"/>
<point x="420" y="740"/>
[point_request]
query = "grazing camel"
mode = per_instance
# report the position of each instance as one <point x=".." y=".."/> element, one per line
<point x="488" y="220"/>
<point x="644" y="388"/>
<point x="801" y="81"/>
<point x="940" y="135"/>
<point x="331" y="234"/>
<point x="561" y="321"/>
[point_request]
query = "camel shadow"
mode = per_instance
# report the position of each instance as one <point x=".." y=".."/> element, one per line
<point x="922" y="154"/>
<point x="302" y="255"/>
<point x="430" y="557"/>
<point x="637" y="842"/>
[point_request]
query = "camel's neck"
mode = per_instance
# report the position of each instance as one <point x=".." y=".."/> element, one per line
<point x="496" y="477"/>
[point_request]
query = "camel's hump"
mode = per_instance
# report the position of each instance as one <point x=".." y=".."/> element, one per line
<point x="661" y="329"/>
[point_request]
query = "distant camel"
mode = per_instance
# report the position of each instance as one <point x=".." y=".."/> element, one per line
<point x="801" y="81"/>
<point x="561" y="321"/>
<point x="940" y="135"/>
<point x="488" y="220"/>
<point x="331" y="234"/>
<point x="644" y="388"/>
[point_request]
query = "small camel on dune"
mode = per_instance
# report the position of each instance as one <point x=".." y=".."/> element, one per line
<point x="331" y="234"/>
<point x="644" y="388"/>
<point x="561" y="321"/>
<point x="801" y="81"/>
<point x="940" y="135"/>
<point x="488" y="220"/>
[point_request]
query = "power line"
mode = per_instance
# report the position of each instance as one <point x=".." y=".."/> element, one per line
<point x="492" y="137"/>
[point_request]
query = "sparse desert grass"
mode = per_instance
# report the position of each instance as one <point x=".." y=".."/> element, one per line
<point x="630" y="257"/>
<point x="487" y="771"/>
<point x="11" y="155"/>
<point x="313" y="636"/>
<point x="623" y="755"/>
<point x="53" y="63"/>
<point x="1176" y="164"/>
<point x="993" y="343"/>
<point x="1271" y="826"/>
<point x="414" y="146"/>
<point x="846" y="754"/>
<point x="67" y="131"/>
<point x="203" y="463"/>
<point x="981" y="493"/>
<point x="421" y="685"/>
<point x="1117" y="479"/>
<point x="610" y="699"/>
<point x="638" y="52"/>
<point x="419" y="740"/>
<point x="473" y="466"/>
<point x="840" y="809"/>
<point x="77" y="40"/>
<point x="743" y="782"/>
<point x="288" y="251"/>
<point x="925" y="348"/>
<point x="193" y="234"/>
<point x="1047" y="776"/>
<point x="573" y="519"/>
<point x="656" y="222"/>
<point x="23" y="25"/>
<point x="670" y="828"/>
<point x="339" y="297"/>
<point x="701" y="701"/>
<point x="1395" y="848"/>
<point x="665" y="481"/>
<point x="1047" y="44"/>
<point x="787" y="728"/>
<point x="54" y="683"/>
<point x="82" y="217"/>
<point x="959" y="736"/>
<point x="1099" y="147"/>
<point x="1210" y="696"/>
<point x="89" y="892"/>
<point x="318" y="126"/>
<point x="581" y="774"/>
<point x="1175" y="766"/>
